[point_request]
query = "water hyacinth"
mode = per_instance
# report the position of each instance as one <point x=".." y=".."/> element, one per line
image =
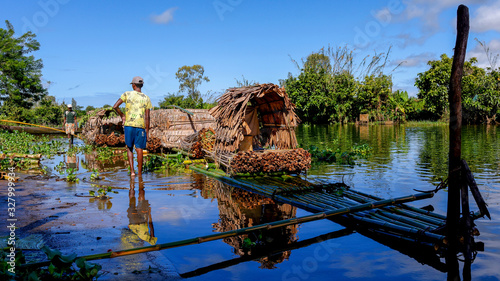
<point x="22" y="142"/>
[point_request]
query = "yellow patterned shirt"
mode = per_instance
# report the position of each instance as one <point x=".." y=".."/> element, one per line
<point x="136" y="105"/>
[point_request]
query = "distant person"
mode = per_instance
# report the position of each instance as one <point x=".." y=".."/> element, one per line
<point x="136" y="122"/>
<point x="70" y="122"/>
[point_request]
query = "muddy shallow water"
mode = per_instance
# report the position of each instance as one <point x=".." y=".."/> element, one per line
<point x="165" y="207"/>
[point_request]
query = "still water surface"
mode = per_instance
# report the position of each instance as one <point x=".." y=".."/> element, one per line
<point x="403" y="159"/>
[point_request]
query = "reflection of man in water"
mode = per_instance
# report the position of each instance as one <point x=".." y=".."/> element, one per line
<point x="71" y="162"/>
<point x="139" y="215"/>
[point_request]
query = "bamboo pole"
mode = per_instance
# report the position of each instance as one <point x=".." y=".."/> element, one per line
<point x="390" y="226"/>
<point x="182" y="109"/>
<point x="405" y="210"/>
<point x="404" y="206"/>
<point x="20" y="155"/>
<point x="410" y="231"/>
<point x="182" y="152"/>
<point x="266" y="226"/>
<point x="301" y="201"/>
<point x="189" y="162"/>
<point x="327" y="201"/>
<point x="253" y="257"/>
<point x="24" y="123"/>
<point x="455" y="148"/>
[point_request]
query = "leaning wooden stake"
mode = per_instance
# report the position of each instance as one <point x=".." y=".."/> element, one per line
<point x="454" y="178"/>
<point x="469" y="178"/>
<point x="266" y="226"/>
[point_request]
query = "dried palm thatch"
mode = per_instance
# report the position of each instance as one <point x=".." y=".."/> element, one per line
<point x="276" y="114"/>
<point x="171" y="126"/>
<point x="168" y="127"/>
<point x="99" y="124"/>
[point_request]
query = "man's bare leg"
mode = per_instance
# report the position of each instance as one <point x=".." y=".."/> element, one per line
<point x="139" y="160"/>
<point x="130" y="156"/>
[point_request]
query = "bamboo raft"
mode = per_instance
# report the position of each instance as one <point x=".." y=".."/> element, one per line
<point x="247" y="230"/>
<point x="399" y="226"/>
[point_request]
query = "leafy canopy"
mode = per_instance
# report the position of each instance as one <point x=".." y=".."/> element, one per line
<point x="20" y="73"/>
<point x="190" y="77"/>
<point x="480" y="90"/>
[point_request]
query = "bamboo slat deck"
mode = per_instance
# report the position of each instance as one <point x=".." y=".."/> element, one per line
<point x="400" y="223"/>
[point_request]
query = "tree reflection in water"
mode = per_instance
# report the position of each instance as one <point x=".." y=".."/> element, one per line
<point x="239" y="209"/>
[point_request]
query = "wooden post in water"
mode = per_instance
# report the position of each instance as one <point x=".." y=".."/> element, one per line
<point x="454" y="178"/>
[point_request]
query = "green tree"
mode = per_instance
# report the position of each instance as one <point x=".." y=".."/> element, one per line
<point x="481" y="103"/>
<point x="400" y="107"/>
<point x="330" y="88"/>
<point x="318" y="63"/>
<point x="373" y="94"/>
<point x="48" y="112"/>
<point x="190" y="77"/>
<point x="480" y="90"/>
<point x="433" y="86"/>
<point x="178" y="100"/>
<point x="89" y="108"/>
<point x="20" y="73"/>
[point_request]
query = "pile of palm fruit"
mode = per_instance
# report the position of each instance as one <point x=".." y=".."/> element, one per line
<point x="289" y="161"/>
<point x="113" y="140"/>
<point x="203" y="142"/>
<point x="109" y="140"/>
<point x="153" y="144"/>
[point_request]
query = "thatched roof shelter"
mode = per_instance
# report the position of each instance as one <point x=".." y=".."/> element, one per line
<point x="276" y="117"/>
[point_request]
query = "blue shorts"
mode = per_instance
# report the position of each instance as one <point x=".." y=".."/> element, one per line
<point x="137" y="136"/>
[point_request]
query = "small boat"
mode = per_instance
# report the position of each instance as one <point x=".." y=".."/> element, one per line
<point x="36" y="130"/>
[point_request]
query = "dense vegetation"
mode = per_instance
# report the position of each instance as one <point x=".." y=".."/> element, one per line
<point x="332" y="88"/>
<point x="480" y="90"/>
<point x="23" y="97"/>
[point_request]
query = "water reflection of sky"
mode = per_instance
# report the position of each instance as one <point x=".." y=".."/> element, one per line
<point x="402" y="160"/>
<point x="405" y="159"/>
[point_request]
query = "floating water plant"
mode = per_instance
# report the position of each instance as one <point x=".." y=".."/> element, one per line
<point x="332" y="155"/>
<point x="71" y="177"/>
<point x="156" y="162"/>
<point x="104" y="153"/>
<point x="101" y="192"/>
<point x="95" y="175"/>
<point x="60" y="267"/>
<point x="22" y="142"/>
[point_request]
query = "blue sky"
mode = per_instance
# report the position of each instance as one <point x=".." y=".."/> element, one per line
<point x="92" y="49"/>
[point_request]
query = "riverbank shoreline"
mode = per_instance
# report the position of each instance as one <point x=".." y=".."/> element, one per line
<point x="60" y="220"/>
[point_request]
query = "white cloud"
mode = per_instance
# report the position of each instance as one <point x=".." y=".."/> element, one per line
<point x="415" y="60"/>
<point x="426" y="15"/>
<point x="479" y="52"/>
<point x="486" y="18"/>
<point x="165" y="17"/>
<point x="428" y="12"/>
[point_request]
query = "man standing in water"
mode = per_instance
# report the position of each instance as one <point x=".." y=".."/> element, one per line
<point x="136" y="122"/>
<point x="69" y="122"/>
